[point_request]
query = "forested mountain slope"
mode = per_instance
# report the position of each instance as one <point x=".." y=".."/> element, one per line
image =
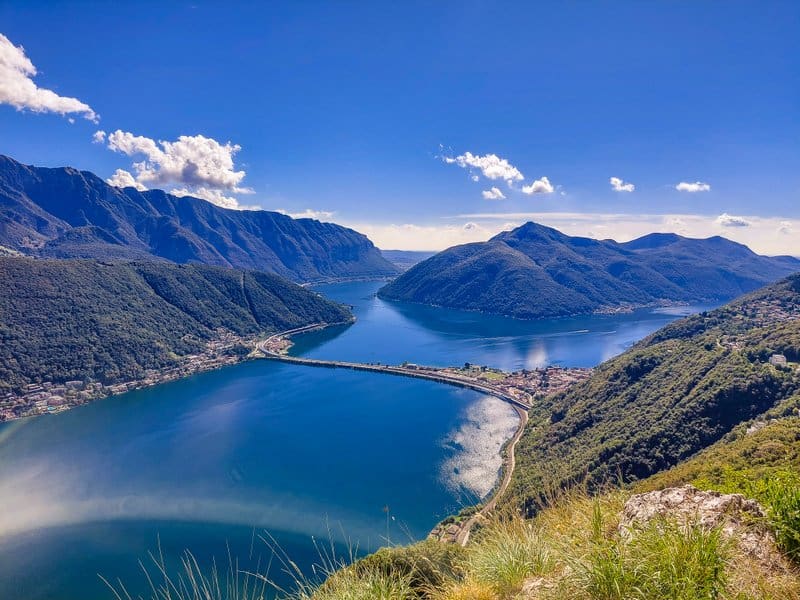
<point x="536" y="271"/>
<point x="65" y="213"/>
<point x="674" y="393"/>
<point x="110" y="321"/>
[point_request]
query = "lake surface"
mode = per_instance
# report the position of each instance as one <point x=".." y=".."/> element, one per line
<point x="392" y="332"/>
<point x="309" y="455"/>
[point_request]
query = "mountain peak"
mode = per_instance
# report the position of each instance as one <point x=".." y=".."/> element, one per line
<point x="66" y="213"/>
<point x="536" y="271"/>
<point x="653" y="240"/>
<point x="530" y="231"/>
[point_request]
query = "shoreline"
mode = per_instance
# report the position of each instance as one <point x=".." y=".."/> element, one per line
<point x="601" y="311"/>
<point x="276" y="347"/>
<point x="458" y="532"/>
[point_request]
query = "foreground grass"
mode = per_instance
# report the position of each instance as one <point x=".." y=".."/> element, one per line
<point x="574" y="549"/>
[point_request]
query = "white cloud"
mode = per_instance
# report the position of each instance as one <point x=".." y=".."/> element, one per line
<point x="475" y="178"/>
<point x="697" y="186"/>
<point x="620" y="186"/>
<point x="18" y="89"/>
<point x="490" y="165"/>
<point x="214" y="196"/>
<point x="412" y="236"/>
<point x="122" y="179"/>
<point x="309" y="213"/>
<point x="760" y="235"/>
<point x="785" y="228"/>
<point x="197" y="165"/>
<point x="99" y="137"/>
<point x="726" y="220"/>
<point x="540" y="186"/>
<point x="493" y="194"/>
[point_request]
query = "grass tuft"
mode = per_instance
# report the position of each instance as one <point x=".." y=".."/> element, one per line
<point x="506" y="554"/>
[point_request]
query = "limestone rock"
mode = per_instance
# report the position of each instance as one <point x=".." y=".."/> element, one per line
<point x="740" y="519"/>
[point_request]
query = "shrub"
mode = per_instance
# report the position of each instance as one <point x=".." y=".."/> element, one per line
<point x="659" y="561"/>
<point x="782" y="496"/>
<point x="506" y="554"/>
<point x="425" y="565"/>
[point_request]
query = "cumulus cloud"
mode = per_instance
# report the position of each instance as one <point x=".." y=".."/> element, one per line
<point x="785" y="227"/>
<point x="99" y="137"/>
<point x="214" y="196"/>
<point x="493" y="194"/>
<point x="621" y="186"/>
<point x="697" y="186"/>
<point x="540" y="186"/>
<point x="122" y="179"/>
<point x="309" y="213"/>
<point x="726" y="220"/>
<point x="490" y="165"/>
<point x="198" y="166"/>
<point x="18" y="89"/>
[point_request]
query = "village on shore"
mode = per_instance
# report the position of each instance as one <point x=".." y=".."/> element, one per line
<point x="49" y="397"/>
<point x="53" y="397"/>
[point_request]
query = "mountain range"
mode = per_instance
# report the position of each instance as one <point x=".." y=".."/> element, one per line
<point x="66" y="213"/>
<point x="536" y="272"/>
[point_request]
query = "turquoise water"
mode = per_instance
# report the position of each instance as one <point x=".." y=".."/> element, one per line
<point x="212" y="462"/>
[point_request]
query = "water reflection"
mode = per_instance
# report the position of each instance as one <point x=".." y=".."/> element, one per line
<point x="394" y="332"/>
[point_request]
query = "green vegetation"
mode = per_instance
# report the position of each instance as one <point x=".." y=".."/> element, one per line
<point x="535" y="271"/>
<point x="110" y="321"/>
<point x="699" y="396"/>
<point x="508" y="554"/>
<point x="763" y="464"/>
<point x="670" y="396"/>
<point x="573" y="549"/>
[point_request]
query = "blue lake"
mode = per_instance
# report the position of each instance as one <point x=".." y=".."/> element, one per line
<point x="311" y="456"/>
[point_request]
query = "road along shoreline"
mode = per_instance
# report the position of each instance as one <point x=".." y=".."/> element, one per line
<point x="275" y="347"/>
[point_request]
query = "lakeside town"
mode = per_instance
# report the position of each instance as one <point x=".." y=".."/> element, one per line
<point x="523" y="385"/>
<point x="41" y="398"/>
<point x="50" y="397"/>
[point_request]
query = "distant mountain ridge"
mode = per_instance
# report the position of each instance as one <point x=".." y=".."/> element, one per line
<point x="405" y="259"/>
<point x="66" y="213"/>
<point x="536" y="271"/>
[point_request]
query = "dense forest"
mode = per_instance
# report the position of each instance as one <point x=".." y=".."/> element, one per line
<point x="536" y="272"/>
<point x="674" y="393"/>
<point x="109" y="321"/>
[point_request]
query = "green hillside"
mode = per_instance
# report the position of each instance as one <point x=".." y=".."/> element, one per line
<point x="673" y="394"/>
<point x="110" y="321"/>
<point x="536" y="272"/>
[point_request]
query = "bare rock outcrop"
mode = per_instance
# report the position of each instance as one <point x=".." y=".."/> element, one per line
<point x="740" y="519"/>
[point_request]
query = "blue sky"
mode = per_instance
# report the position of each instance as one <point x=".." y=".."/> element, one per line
<point x="347" y="109"/>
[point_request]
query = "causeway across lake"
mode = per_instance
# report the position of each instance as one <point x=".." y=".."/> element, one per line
<point x="304" y="453"/>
